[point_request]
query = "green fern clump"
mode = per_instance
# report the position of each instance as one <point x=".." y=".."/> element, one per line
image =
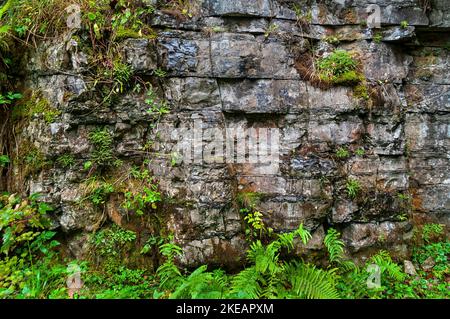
<point x="267" y="275"/>
<point x="270" y="277"/>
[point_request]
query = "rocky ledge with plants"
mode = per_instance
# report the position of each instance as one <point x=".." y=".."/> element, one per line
<point x="96" y="200"/>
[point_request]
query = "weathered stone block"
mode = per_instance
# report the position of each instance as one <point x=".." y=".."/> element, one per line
<point x="260" y="8"/>
<point x="262" y="96"/>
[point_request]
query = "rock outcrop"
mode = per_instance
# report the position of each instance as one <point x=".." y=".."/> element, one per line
<point x="234" y="64"/>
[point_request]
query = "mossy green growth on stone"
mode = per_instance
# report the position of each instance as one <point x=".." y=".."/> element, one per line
<point x="360" y="91"/>
<point x="339" y="68"/>
<point x="36" y="105"/>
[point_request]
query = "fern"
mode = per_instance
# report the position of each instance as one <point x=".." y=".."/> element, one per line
<point x="168" y="273"/>
<point x="334" y="245"/>
<point x="384" y="261"/>
<point x="246" y="284"/>
<point x="309" y="282"/>
<point x="198" y="285"/>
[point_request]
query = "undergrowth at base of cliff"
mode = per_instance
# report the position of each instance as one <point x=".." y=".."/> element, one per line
<point x="33" y="266"/>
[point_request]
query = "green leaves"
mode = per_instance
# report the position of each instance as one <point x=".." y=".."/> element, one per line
<point x="384" y="261"/>
<point x="10" y="96"/>
<point x="352" y="187"/>
<point x="310" y="282"/>
<point x="339" y="68"/>
<point x="334" y="245"/>
<point x="4" y="160"/>
<point x="102" y="141"/>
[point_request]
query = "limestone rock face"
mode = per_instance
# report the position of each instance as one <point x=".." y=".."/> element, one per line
<point x="229" y="67"/>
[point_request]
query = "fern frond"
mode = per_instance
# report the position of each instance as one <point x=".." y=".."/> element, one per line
<point x="169" y="275"/>
<point x="198" y="285"/>
<point x="347" y="266"/>
<point x="384" y="261"/>
<point x="304" y="234"/>
<point x="265" y="259"/>
<point x="334" y="245"/>
<point x="246" y="284"/>
<point x="310" y="282"/>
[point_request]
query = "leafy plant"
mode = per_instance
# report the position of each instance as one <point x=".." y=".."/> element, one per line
<point x="110" y="241"/>
<point x="384" y="261"/>
<point x="342" y="153"/>
<point x="143" y="195"/>
<point x="4" y="160"/>
<point x="432" y="231"/>
<point x="352" y="187"/>
<point x="10" y="97"/>
<point x="160" y="73"/>
<point x="270" y="30"/>
<point x="97" y="190"/>
<point x="28" y="267"/>
<point x="377" y="37"/>
<point x="404" y="24"/>
<point x="339" y="68"/>
<point x="255" y="222"/>
<point x="334" y="245"/>
<point x="102" y="141"/>
<point x="156" y="106"/>
<point x="360" y="152"/>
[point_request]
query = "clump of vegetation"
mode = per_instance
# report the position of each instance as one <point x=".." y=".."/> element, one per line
<point x="360" y="91"/>
<point x="66" y="160"/>
<point x="360" y="152"/>
<point x="9" y="98"/>
<point x="29" y="266"/>
<point x="142" y="193"/>
<point x="4" y="160"/>
<point x="342" y="153"/>
<point x="102" y="140"/>
<point x="339" y="68"/>
<point x="97" y="190"/>
<point x="36" y="105"/>
<point x="404" y="24"/>
<point x="31" y="159"/>
<point x="352" y="187"/>
<point x="431" y="232"/>
<point x="271" y="29"/>
<point x="332" y="39"/>
<point x="377" y="37"/>
<point x="157" y="106"/>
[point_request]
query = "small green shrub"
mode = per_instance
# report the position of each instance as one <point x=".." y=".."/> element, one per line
<point x="339" y="68"/>
<point x="404" y="24"/>
<point x="122" y="74"/>
<point x="9" y="98"/>
<point x="97" y="190"/>
<point x="28" y="265"/>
